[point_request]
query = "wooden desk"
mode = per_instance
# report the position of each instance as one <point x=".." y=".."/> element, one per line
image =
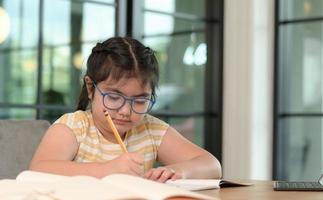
<point x="261" y="190"/>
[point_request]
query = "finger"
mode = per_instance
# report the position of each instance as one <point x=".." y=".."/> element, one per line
<point x="148" y="174"/>
<point x="176" y="176"/>
<point x="137" y="169"/>
<point x="166" y="174"/>
<point x="156" y="174"/>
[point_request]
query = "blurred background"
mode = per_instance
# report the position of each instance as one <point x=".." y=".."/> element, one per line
<point x="242" y="79"/>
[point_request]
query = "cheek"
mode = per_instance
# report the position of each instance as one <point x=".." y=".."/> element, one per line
<point x="97" y="109"/>
<point x="135" y="118"/>
<point x="97" y="104"/>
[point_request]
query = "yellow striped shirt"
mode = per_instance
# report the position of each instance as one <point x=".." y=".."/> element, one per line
<point x="144" y="138"/>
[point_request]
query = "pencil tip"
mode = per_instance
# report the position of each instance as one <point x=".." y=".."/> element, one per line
<point x="106" y="112"/>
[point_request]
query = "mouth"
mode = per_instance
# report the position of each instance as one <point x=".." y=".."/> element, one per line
<point x="120" y="121"/>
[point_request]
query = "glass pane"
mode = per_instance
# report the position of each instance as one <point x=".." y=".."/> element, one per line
<point x="300" y="64"/>
<point x="18" y="76"/>
<point x="180" y="46"/>
<point x="65" y="52"/>
<point x="190" y="127"/>
<point x="300" y="148"/>
<point x="192" y="7"/>
<point x="160" y="5"/>
<point x="61" y="82"/>
<point x="291" y="9"/>
<point x="182" y="67"/>
<point x="56" y="76"/>
<point x="17" y="113"/>
<point x="98" y="22"/>
<point x="57" y="26"/>
<point x="18" y="56"/>
<point x="77" y="22"/>
<point x="22" y="24"/>
<point x="104" y="1"/>
<point x="169" y="24"/>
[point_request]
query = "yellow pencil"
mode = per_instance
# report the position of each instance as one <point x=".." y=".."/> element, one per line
<point x="115" y="132"/>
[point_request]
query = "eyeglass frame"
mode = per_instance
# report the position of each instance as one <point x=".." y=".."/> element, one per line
<point x="125" y="98"/>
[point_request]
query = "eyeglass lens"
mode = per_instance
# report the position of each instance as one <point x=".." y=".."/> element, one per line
<point x="115" y="101"/>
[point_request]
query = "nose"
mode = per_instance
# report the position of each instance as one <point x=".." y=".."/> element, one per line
<point x="126" y="108"/>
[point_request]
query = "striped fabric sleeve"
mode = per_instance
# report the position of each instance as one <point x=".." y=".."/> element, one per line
<point x="77" y="122"/>
<point x="157" y="129"/>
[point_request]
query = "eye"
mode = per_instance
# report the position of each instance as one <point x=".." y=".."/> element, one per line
<point x="141" y="100"/>
<point x="114" y="96"/>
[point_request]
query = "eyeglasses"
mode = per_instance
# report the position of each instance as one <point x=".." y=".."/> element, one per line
<point x="114" y="101"/>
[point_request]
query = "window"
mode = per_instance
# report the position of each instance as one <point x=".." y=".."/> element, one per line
<point x="42" y="59"/>
<point x="299" y="102"/>
<point x="181" y="32"/>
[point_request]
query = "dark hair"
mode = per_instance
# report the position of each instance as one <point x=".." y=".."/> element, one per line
<point x="120" y="57"/>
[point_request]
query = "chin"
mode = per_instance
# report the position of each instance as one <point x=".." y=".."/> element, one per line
<point x="123" y="129"/>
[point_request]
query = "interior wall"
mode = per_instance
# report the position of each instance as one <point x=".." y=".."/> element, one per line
<point x="248" y="89"/>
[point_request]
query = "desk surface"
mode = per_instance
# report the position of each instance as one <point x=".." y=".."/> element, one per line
<point x="260" y="190"/>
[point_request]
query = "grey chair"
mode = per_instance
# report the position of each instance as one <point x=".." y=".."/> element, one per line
<point x="18" y="142"/>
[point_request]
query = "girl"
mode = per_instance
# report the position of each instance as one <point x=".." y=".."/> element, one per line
<point x="121" y="78"/>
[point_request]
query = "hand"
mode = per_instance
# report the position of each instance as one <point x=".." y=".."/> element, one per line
<point x="162" y="174"/>
<point x="128" y="163"/>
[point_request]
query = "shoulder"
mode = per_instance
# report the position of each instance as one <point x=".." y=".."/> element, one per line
<point x="74" y="117"/>
<point x="151" y="126"/>
<point x="148" y="135"/>
<point x="153" y="123"/>
<point x="77" y="121"/>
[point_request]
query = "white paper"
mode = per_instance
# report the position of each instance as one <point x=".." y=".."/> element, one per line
<point x="195" y="184"/>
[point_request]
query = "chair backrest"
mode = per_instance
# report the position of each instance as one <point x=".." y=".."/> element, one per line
<point x="18" y="142"/>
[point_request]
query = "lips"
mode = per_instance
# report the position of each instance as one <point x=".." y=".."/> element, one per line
<point x="120" y="121"/>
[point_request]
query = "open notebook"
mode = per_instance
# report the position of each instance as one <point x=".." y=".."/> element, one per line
<point x="299" y="185"/>
<point x="205" y="184"/>
<point x="36" y="185"/>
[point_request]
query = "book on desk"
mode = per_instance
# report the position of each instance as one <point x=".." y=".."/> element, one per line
<point x="35" y="185"/>
<point x="205" y="184"/>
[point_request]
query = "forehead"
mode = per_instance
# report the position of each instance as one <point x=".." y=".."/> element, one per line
<point x="128" y="84"/>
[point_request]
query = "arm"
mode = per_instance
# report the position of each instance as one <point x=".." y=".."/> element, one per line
<point x="183" y="159"/>
<point x="58" y="148"/>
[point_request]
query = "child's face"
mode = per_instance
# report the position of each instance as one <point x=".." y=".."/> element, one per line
<point x="123" y="118"/>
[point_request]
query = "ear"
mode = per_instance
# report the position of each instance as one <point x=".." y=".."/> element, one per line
<point x="89" y="86"/>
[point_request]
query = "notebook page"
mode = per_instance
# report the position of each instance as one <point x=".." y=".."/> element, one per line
<point x="150" y="189"/>
<point x="33" y="176"/>
<point x="80" y="187"/>
<point x="66" y="187"/>
<point x="195" y="184"/>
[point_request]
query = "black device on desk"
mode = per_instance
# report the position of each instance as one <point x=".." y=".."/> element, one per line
<point x="299" y="185"/>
